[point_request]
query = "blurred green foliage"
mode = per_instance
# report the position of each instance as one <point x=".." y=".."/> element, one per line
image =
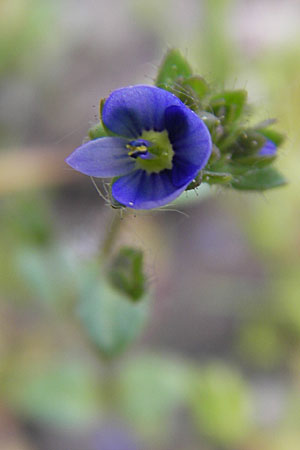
<point x="48" y="371"/>
<point x="110" y="319"/>
<point x="220" y="401"/>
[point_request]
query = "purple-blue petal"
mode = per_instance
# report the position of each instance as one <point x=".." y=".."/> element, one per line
<point x="131" y="110"/>
<point x="191" y="143"/>
<point x="141" y="190"/>
<point x="104" y="157"/>
<point x="269" y="149"/>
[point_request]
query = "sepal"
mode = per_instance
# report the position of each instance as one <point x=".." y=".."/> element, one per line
<point x="258" y="179"/>
<point x="173" y="68"/>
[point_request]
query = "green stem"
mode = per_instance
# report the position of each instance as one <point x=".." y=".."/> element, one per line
<point x="111" y="235"/>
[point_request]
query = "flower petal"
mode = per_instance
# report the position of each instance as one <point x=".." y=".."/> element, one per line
<point x="191" y="143"/>
<point x="131" y="110"/>
<point x="141" y="190"/>
<point x="103" y="157"/>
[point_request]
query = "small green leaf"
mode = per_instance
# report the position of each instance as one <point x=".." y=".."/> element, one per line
<point x="109" y="319"/>
<point x="173" y="67"/>
<point x="126" y="273"/>
<point x="258" y="179"/>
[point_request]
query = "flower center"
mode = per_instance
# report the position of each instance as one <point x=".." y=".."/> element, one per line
<point x="153" y="151"/>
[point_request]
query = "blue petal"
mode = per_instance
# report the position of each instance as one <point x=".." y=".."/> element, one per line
<point x="191" y="143"/>
<point x="103" y="157"/>
<point x="141" y="190"/>
<point x="269" y="149"/>
<point x="130" y="110"/>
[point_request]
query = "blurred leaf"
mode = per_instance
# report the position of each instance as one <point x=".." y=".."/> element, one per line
<point x="286" y="305"/>
<point x="277" y="439"/>
<point x="27" y="219"/>
<point x="261" y="343"/>
<point x="127" y="273"/>
<point x="62" y="394"/>
<point x="109" y="319"/>
<point x="25" y="27"/>
<point x="220" y="404"/>
<point x="258" y="179"/>
<point x="52" y="275"/>
<point x="151" y="389"/>
<point x="173" y="67"/>
<point x="218" y="55"/>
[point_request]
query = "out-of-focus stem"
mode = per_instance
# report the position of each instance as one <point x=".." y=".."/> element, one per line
<point x="111" y="235"/>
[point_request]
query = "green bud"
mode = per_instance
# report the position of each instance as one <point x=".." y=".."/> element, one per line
<point x="247" y="144"/>
<point x="210" y="120"/>
<point x="229" y="105"/>
<point x="97" y="131"/>
<point x="126" y="273"/>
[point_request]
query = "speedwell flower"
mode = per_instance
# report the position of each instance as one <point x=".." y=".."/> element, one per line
<point x="158" y="148"/>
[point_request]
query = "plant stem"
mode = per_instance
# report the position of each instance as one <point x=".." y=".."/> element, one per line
<point x="111" y="235"/>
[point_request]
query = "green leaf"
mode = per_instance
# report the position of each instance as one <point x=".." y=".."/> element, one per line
<point x="51" y="274"/>
<point x="173" y="67"/>
<point x="109" y="319"/>
<point x="258" y="179"/>
<point x="126" y="273"/>
<point x="62" y="394"/>
<point x="229" y="104"/>
<point x="220" y="405"/>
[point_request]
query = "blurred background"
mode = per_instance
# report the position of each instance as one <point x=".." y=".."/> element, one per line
<point x="217" y="365"/>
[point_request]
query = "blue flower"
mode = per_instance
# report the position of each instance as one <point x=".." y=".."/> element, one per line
<point x="158" y="148"/>
<point x="268" y="150"/>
